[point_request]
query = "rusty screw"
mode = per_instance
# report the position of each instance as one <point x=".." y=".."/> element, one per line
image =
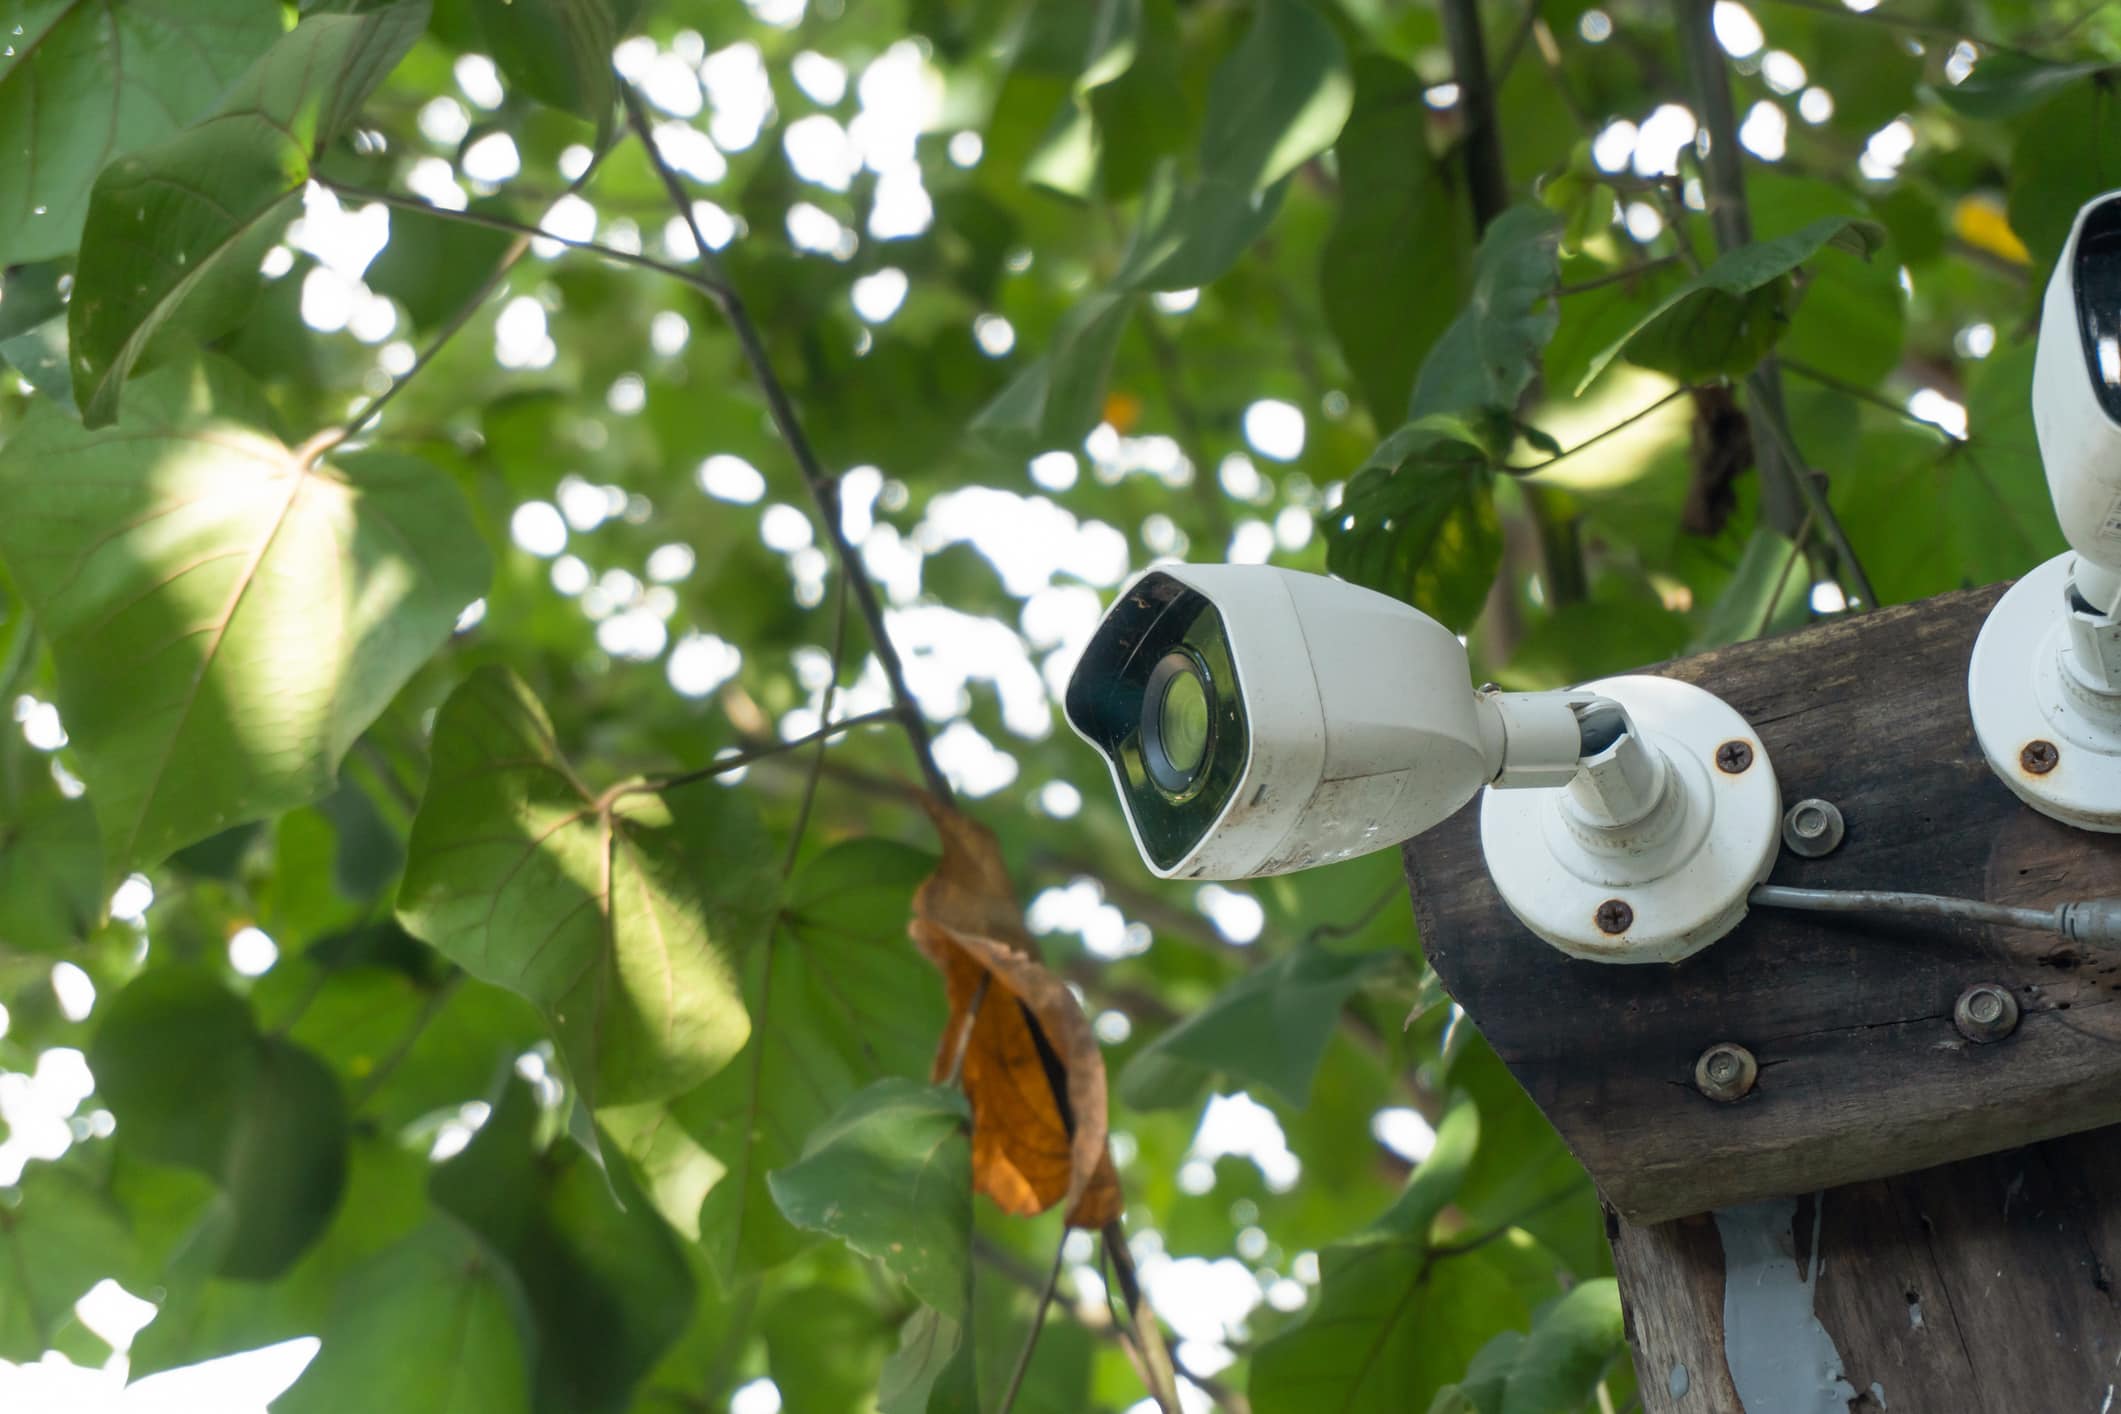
<point x="1734" y="756"/>
<point x="1986" y="1012"/>
<point x="1726" y="1072"/>
<point x="1614" y="916"/>
<point x="2039" y="757"/>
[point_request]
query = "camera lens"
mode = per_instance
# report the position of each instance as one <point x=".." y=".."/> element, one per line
<point x="1177" y="722"/>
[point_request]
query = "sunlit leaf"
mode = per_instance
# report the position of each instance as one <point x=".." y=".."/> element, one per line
<point x="1278" y="100"/>
<point x="227" y="613"/>
<point x="184" y="224"/>
<point x="83" y="83"/>
<point x="932" y="1370"/>
<point x="59" y="1236"/>
<point x="891" y="1176"/>
<point x="51" y="869"/>
<point x="623" y="916"/>
<point x="2005" y="83"/>
<point x="1058" y="398"/>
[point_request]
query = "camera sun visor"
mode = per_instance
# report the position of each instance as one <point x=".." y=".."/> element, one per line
<point x="2098" y="290"/>
<point x="1157" y="692"/>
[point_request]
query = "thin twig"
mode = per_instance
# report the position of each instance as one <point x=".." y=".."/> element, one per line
<point x="1158" y="1371"/>
<point x="1767" y="615"/>
<point x="824" y="489"/>
<point x="1595" y="438"/>
<point x="964" y="1033"/>
<point x="1360" y="921"/>
<point x="523" y="229"/>
<point x="1038" y="1323"/>
<point x="1514" y="46"/>
<point x="1614" y="277"/>
<point x="1877" y="400"/>
<point x="514" y="253"/>
<point x="742" y="759"/>
<point x="1815" y="502"/>
<point x="817" y="761"/>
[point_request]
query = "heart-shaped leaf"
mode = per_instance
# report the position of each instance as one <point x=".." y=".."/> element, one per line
<point x="1418" y="521"/>
<point x="622" y="915"/>
<point x="227" y="614"/>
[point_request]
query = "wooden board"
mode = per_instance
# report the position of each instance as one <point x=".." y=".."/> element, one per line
<point x="1986" y="1285"/>
<point x="1861" y="1072"/>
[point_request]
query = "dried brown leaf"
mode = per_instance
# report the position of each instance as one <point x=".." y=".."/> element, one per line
<point x="1032" y="1070"/>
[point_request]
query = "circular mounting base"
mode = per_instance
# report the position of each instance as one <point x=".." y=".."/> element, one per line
<point x="1663" y="889"/>
<point x="2028" y="718"/>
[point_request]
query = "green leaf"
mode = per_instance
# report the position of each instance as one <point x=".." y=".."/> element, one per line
<point x="557" y="51"/>
<point x="1386" y="298"/>
<point x="1486" y="1379"/>
<point x="83" y="83"/>
<point x="825" y="1349"/>
<point x="2068" y="152"/>
<point x="1928" y="514"/>
<point x="1187" y="236"/>
<point x="1852" y="319"/>
<point x="432" y="264"/>
<point x="185" y="223"/>
<point x="1436" y="1182"/>
<point x="607" y="1286"/>
<point x="623" y="916"/>
<point x="51" y="869"/>
<point x="1059" y="398"/>
<point x="891" y="1176"/>
<point x="1418" y="522"/>
<point x="433" y="1325"/>
<point x="1490" y="354"/>
<point x="839" y="999"/>
<point x="1611" y="633"/>
<point x="1279" y="100"/>
<point x="1725" y="318"/>
<point x="226" y="614"/>
<point x="1768" y="594"/>
<point x="932" y="1370"/>
<point x="1522" y="1175"/>
<point x="1269" y="1028"/>
<point x="59" y="1236"/>
<point x="1558" y="1367"/>
<point x="2004" y="84"/>
<point x="1388" y="1330"/>
<point x="183" y="1068"/>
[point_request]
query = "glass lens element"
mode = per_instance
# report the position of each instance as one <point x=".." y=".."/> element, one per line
<point x="1183" y="721"/>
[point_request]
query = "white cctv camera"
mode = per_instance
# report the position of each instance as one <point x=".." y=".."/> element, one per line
<point x="2044" y="685"/>
<point x="1259" y="721"/>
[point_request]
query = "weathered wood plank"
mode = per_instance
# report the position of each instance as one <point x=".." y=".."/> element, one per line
<point x="1982" y="1286"/>
<point x="1862" y="1074"/>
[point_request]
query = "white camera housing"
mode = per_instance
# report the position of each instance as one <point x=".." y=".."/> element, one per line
<point x="1340" y="721"/>
<point x="2044" y="683"/>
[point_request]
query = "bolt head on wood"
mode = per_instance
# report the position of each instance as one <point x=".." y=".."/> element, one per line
<point x="1734" y="756"/>
<point x="1812" y="828"/>
<point x="1614" y="916"/>
<point x="1986" y="1012"/>
<point x="2039" y="757"/>
<point x="1726" y="1072"/>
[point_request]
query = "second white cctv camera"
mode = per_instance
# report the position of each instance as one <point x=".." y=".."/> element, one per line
<point x="2044" y="685"/>
<point x="1259" y="721"/>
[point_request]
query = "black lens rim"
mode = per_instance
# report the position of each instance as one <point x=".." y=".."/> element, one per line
<point x="1179" y="785"/>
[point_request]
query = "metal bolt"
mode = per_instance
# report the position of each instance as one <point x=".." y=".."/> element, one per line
<point x="2039" y="757"/>
<point x="1812" y="828"/>
<point x="1726" y="1071"/>
<point x="1734" y="756"/>
<point x="1614" y="916"/>
<point x="1986" y="1012"/>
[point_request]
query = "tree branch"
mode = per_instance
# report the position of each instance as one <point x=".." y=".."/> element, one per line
<point x="1596" y="437"/>
<point x="744" y="758"/>
<point x="1038" y="1323"/>
<point x="817" y="761"/>
<point x="824" y="489"/>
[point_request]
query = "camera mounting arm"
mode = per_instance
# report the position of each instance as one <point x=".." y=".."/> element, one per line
<point x="1584" y="743"/>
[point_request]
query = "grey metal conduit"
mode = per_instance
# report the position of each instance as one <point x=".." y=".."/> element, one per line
<point x="2095" y="921"/>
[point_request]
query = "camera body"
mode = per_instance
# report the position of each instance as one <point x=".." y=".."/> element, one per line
<point x="1329" y="720"/>
<point x="2077" y="398"/>
<point x="2044" y="682"/>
